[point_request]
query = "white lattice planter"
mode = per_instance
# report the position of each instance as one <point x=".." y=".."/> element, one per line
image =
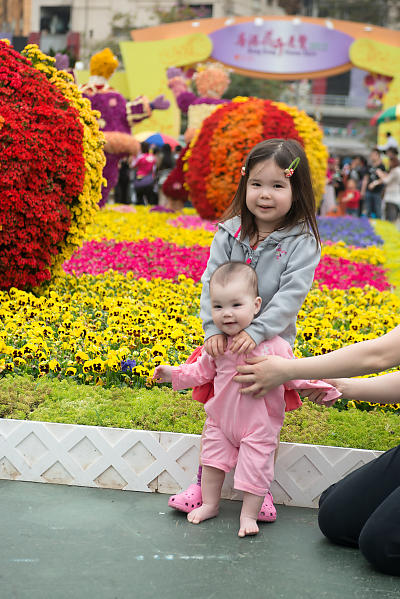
<point x="148" y="461"/>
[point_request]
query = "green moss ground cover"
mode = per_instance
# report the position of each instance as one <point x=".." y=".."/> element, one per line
<point x="161" y="409"/>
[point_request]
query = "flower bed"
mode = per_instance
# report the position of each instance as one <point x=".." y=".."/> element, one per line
<point x="49" y="181"/>
<point x="125" y="306"/>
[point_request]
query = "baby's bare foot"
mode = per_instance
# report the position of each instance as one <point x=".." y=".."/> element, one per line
<point x="205" y="512"/>
<point x="248" y="526"/>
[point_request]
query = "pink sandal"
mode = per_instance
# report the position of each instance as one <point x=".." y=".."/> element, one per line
<point x="267" y="512"/>
<point x="188" y="500"/>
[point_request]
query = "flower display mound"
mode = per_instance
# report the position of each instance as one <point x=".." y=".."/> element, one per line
<point x="146" y="259"/>
<point x="217" y="153"/>
<point x="47" y="137"/>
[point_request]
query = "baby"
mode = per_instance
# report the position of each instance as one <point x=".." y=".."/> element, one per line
<point x="241" y="430"/>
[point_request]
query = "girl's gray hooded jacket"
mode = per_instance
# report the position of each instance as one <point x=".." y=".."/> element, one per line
<point x="284" y="262"/>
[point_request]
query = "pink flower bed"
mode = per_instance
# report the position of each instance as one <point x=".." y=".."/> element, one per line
<point x="168" y="260"/>
<point x="340" y="273"/>
<point x="193" y="222"/>
<point x="144" y="258"/>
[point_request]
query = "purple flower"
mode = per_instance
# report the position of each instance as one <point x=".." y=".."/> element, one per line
<point x="128" y="365"/>
<point x="353" y="231"/>
<point x="161" y="209"/>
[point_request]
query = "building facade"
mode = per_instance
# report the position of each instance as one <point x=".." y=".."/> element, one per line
<point x="92" y="18"/>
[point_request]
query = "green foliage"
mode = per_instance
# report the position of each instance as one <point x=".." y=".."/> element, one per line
<point x="161" y="409"/>
<point x="350" y="428"/>
<point x="177" y="12"/>
<point x="241" y="85"/>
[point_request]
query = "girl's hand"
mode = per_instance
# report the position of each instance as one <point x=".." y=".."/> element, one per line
<point x="262" y="373"/>
<point x="242" y="343"/>
<point x="216" y="345"/>
<point x="163" y="373"/>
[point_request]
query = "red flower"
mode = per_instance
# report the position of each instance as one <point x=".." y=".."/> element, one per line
<point x="224" y="141"/>
<point x="42" y="170"/>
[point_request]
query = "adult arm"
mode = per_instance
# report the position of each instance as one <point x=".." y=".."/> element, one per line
<point x="383" y="389"/>
<point x="385" y="177"/>
<point x="367" y="357"/>
<point x="295" y="283"/>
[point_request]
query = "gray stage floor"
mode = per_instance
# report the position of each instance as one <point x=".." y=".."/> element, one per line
<point x="68" y="542"/>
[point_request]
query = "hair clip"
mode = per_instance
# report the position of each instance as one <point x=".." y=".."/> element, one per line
<point x="243" y="171"/>
<point x="292" y="167"/>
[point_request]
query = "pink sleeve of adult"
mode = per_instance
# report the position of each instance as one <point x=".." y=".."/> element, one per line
<point x="280" y="347"/>
<point x="191" y="375"/>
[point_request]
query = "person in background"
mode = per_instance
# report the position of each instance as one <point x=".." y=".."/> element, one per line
<point x="391" y="142"/>
<point x="328" y="203"/>
<point x="337" y="179"/>
<point x="122" y="191"/>
<point x="391" y="181"/>
<point x="165" y="166"/>
<point x="144" y="166"/>
<point x="358" y="170"/>
<point x="372" y="188"/>
<point x="350" y="198"/>
<point x="177" y="151"/>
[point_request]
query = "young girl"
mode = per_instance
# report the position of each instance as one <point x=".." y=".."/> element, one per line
<point x="350" y="199"/>
<point x="241" y="431"/>
<point x="271" y="226"/>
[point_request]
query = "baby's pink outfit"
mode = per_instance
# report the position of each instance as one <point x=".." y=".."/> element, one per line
<point x="242" y="430"/>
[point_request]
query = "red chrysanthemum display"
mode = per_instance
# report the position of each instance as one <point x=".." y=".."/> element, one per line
<point x="174" y="184"/>
<point x="216" y="155"/>
<point x="42" y="170"/>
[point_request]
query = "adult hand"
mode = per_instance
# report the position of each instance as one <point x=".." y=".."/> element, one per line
<point x="262" y="373"/>
<point x="215" y="346"/>
<point x="317" y="396"/>
<point x="242" y="343"/>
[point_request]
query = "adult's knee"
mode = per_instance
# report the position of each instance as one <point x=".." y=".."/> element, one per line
<point x="335" y="522"/>
<point x="380" y="545"/>
<point x="326" y="514"/>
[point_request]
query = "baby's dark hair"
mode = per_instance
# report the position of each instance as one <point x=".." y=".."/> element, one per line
<point x="228" y="270"/>
<point x="303" y="208"/>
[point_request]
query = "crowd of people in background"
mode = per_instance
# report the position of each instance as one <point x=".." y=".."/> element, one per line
<point x="355" y="186"/>
<point x="360" y="186"/>
<point x="141" y="178"/>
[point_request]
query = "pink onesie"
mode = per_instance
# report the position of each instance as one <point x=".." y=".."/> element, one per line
<point x="242" y="430"/>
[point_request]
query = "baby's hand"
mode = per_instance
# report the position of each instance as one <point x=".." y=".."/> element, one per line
<point x="215" y="346"/>
<point x="163" y="373"/>
<point x="242" y="343"/>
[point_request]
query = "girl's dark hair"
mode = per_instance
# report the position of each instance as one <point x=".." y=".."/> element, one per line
<point x="303" y="208"/>
<point x="145" y="147"/>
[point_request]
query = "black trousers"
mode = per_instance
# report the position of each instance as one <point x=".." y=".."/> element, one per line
<point x="363" y="510"/>
<point x="148" y="193"/>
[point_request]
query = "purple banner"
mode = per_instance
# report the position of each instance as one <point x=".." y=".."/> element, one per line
<point x="281" y="47"/>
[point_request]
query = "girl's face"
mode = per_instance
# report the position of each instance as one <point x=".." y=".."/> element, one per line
<point x="268" y="195"/>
